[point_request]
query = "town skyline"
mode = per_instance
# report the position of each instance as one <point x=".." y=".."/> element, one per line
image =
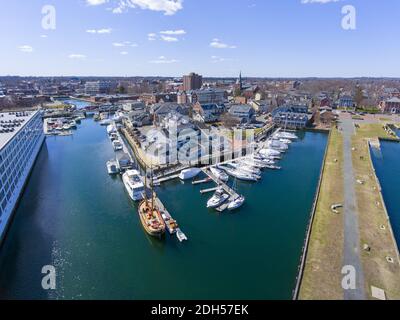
<point x="294" y="39"/>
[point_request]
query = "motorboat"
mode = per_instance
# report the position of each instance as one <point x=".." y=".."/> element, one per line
<point x="133" y="184"/>
<point x="219" y="197"/>
<point x="286" y="135"/>
<point x="236" y="203"/>
<point x="241" y="175"/>
<point x="189" y="173"/>
<point x="268" y="152"/>
<point x="245" y="168"/>
<point x="221" y="175"/>
<point x="105" y="122"/>
<point x="111" y="129"/>
<point x="180" y="235"/>
<point x="112" y="167"/>
<point x="277" y="145"/>
<point x="117" y="145"/>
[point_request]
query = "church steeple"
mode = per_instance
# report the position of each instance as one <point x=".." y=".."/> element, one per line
<point x="240" y="82"/>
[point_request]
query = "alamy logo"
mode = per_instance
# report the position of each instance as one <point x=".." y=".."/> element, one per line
<point x="49" y="280"/>
<point x="349" y="19"/>
<point x="349" y="279"/>
<point x="49" y="17"/>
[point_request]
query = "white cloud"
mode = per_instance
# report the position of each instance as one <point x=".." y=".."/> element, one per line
<point x="318" y="1"/>
<point x="77" y="56"/>
<point x="163" y="60"/>
<point x="152" y="36"/>
<point x="169" y="39"/>
<point x="216" y="59"/>
<point x="125" y="44"/>
<point x="124" y="53"/>
<point x="173" y="32"/>
<point x="100" y="31"/>
<point x="169" y="7"/>
<point x="43" y="36"/>
<point x="95" y="2"/>
<point x="216" y="43"/>
<point x="25" y="48"/>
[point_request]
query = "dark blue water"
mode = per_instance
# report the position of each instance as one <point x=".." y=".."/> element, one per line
<point x="387" y="165"/>
<point x="77" y="218"/>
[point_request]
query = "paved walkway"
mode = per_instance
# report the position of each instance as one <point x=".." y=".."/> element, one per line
<point x="351" y="253"/>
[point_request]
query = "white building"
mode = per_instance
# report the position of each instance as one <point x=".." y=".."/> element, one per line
<point x="21" y="137"/>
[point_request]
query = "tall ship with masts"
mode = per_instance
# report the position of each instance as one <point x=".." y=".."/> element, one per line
<point x="150" y="215"/>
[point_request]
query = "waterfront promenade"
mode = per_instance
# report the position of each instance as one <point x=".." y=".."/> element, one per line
<point x="359" y="234"/>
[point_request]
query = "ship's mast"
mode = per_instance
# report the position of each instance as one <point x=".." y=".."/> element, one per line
<point x="145" y="184"/>
<point x="152" y="191"/>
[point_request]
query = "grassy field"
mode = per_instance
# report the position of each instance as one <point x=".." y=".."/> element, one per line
<point x="322" y="272"/>
<point x="372" y="215"/>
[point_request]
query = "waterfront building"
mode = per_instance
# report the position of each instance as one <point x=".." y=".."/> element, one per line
<point x="391" y="105"/>
<point x="21" y="137"/>
<point x="192" y="81"/>
<point x="291" y="116"/>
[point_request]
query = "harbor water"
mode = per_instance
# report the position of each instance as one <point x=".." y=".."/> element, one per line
<point x="74" y="216"/>
<point x="387" y="168"/>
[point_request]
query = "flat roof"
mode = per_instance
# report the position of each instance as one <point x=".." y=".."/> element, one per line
<point x="13" y="120"/>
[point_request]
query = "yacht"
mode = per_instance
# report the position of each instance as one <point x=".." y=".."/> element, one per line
<point x="105" y="122"/>
<point x="245" y="168"/>
<point x="237" y="203"/>
<point x="111" y="129"/>
<point x="286" y="141"/>
<point x="268" y="152"/>
<point x="219" y="197"/>
<point x="133" y="184"/>
<point x="221" y="175"/>
<point x="241" y="175"/>
<point x="117" y="145"/>
<point x="286" y="135"/>
<point x="189" y="173"/>
<point x="112" y="167"/>
<point x="277" y="145"/>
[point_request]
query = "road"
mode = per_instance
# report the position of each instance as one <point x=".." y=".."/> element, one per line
<point x="351" y="253"/>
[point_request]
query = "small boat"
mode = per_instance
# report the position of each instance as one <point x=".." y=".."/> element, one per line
<point x="219" y="197"/>
<point x="286" y="135"/>
<point x="111" y="129"/>
<point x="221" y="175"/>
<point x="237" y="203"/>
<point x="268" y="152"/>
<point x="240" y="174"/>
<point x="273" y="167"/>
<point x="133" y="184"/>
<point x="189" y="173"/>
<point x="112" y="167"/>
<point x="66" y="127"/>
<point x="180" y="235"/>
<point x="245" y="168"/>
<point x="105" y="122"/>
<point x="117" y="145"/>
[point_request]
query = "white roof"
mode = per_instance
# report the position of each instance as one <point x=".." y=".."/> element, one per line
<point x="15" y="120"/>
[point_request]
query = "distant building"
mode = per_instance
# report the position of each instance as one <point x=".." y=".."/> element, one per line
<point x="391" y="105"/>
<point x="152" y="98"/>
<point x="97" y="87"/>
<point x="134" y="105"/>
<point x="206" y="96"/>
<point x="346" y="102"/>
<point x="291" y="116"/>
<point x="243" y="112"/>
<point x="209" y="112"/>
<point x="260" y="106"/>
<point x="192" y="81"/>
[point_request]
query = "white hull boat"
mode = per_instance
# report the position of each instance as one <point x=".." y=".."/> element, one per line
<point x="219" y="197"/>
<point x="237" y="203"/>
<point x="219" y="174"/>
<point x="112" y="167"/>
<point x="133" y="184"/>
<point x="189" y="173"/>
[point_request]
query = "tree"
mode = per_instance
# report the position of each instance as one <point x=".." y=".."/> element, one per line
<point x="121" y="89"/>
<point x="359" y="96"/>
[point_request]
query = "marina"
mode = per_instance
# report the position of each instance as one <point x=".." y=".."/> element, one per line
<point x="95" y="219"/>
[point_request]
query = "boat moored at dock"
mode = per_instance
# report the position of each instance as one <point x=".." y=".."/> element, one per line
<point x="188" y="174"/>
<point x="133" y="184"/>
<point x="112" y="167"/>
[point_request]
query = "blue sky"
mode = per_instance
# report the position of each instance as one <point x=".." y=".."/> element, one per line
<point x="269" y="38"/>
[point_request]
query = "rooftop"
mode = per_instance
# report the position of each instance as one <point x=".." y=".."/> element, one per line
<point x="11" y="123"/>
